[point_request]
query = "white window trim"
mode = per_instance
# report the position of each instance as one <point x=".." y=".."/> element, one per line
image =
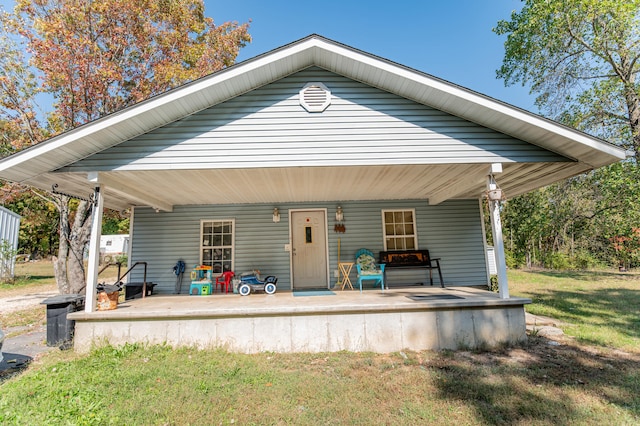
<point x="415" y="226"/>
<point x="233" y="239"/>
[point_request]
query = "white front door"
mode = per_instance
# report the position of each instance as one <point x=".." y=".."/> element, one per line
<point x="309" y="249"/>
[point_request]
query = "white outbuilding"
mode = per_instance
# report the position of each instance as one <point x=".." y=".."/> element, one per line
<point x="9" y="228"/>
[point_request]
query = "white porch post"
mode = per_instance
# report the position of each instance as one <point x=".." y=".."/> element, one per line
<point x="496" y="230"/>
<point x="94" y="252"/>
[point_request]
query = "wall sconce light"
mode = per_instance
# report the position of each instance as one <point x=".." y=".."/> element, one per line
<point x="339" y="214"/>
<point x="276" y="215"/>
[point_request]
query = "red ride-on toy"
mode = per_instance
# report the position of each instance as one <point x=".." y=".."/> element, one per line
<point x="250" y="282"/>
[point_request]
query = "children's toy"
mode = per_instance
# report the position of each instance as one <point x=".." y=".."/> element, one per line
<point x="201" y="281"/>
<point x="251" y="282"/>
<point x="224" y="281"/>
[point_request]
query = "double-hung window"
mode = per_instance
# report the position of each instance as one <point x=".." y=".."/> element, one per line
<point x="217" y="244"/>
<point x="399" y="229"/>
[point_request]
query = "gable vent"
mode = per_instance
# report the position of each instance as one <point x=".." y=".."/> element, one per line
<point x="315" y="97"/>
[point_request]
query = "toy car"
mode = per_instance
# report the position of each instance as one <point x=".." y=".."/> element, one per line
<point x="251" y="282"/>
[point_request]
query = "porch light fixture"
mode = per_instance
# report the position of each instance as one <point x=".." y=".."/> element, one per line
<point x="276" y="215"/>
<point x="494" y="192"/>
<point x="339" y="214"/>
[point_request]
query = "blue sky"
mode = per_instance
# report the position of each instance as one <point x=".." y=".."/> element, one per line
<point x="450" y="39"/>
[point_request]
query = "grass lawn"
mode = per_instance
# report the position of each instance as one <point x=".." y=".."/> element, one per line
<point x="597" y="308"/>
<point x="588" y="380"/>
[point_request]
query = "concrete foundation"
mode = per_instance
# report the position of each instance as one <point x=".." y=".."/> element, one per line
<point x="373" y="321"/>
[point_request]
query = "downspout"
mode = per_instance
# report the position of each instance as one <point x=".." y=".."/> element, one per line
<point x="496" y="230"/>
<point x="94" y="252"/>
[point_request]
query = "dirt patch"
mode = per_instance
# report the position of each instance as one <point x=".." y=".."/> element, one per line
<point x="17" y="300"/>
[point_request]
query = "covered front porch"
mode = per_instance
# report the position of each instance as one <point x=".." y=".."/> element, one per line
<point x="413" y="318"/>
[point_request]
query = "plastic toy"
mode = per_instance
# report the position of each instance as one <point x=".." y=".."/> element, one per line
<point x="201" y="281"/>
<point x="251" y="282"/>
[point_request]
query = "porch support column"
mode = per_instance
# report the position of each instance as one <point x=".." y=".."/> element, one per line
<point x="496" y="230"/>
<point x="94" y="252"/>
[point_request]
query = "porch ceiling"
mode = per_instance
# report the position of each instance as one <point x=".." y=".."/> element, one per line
<point x="164" y="189"/>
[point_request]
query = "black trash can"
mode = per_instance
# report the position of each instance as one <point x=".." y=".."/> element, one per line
<point x="134" y="290"/>
<point x="59" y="328"/>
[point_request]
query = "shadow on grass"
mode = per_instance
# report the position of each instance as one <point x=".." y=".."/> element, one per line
<point x="584" y="275"/>
<point x="613" y="307"/>
<point x="542" y="384"/>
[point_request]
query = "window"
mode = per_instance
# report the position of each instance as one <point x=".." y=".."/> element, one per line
<point x="216" y="244"/>
<point x="399" y="229"/>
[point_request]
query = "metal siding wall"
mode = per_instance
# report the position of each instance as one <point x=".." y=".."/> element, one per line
<point x="269" y="127"/>
<point x="451" y="231"/>
<point x="9" y="229"/>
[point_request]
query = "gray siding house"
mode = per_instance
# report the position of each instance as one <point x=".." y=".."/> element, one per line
<point x="246" y="169"/>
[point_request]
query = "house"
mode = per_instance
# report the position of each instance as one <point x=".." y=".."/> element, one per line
<point x="252" y="168"/>
<point x="113" y="245"/>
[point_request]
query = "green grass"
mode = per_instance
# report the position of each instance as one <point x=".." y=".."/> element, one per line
<point x="598" y="308"/>
<point x="30" y="275"/>
<point x="158" y="385"/>
<point x="535" y="384"/>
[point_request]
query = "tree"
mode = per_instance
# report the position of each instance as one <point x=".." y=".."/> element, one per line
<point x="95" y="58"/>
<point x="580" y="58"/>
<point x="19" y="125"/>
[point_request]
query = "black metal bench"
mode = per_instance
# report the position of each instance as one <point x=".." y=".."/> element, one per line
<point x="415" y="259"/>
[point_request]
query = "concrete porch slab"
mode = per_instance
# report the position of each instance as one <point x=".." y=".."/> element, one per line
<point x="416" y="318"/>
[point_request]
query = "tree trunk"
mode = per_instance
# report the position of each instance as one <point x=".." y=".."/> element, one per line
<point x="80" y="235"/>
<point x="69" y="264"/>
<point x="60" y="261"/>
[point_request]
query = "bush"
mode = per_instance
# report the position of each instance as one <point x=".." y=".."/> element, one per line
<point x="556" y="260"/>
<point x="493" y="283"/>
<point x="512" y="260"/>
<point x="122" y="259"/>
<point x="582" y="259"/>
<point x="7" y="257"/>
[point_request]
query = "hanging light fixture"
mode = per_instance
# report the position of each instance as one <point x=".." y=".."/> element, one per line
<point x="494" y="193"/>
<point x="276" y="215"/>
<point x="339" y="214"/>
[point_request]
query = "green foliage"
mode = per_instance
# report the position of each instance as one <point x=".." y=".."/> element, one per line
<point x="587" y="221"/>
<point x="493" y="284"/>
<point x="38" y="236"/>
<point x="579" y="57"/>
<point x="7" y="256"/>
<point x="115" y="222"/>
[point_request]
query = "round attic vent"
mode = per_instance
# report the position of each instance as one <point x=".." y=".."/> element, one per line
<point x="315" y="97"/>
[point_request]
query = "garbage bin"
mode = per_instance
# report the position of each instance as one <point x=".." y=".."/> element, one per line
<point x="59" y="328"/>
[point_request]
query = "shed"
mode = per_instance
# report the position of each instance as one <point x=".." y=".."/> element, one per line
<point x="9" y="228"/>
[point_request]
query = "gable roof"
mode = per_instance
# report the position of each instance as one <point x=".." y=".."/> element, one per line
<point x="36" y="165"/>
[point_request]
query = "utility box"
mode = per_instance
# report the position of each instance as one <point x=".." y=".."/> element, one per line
<point x="59" y="328"/>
